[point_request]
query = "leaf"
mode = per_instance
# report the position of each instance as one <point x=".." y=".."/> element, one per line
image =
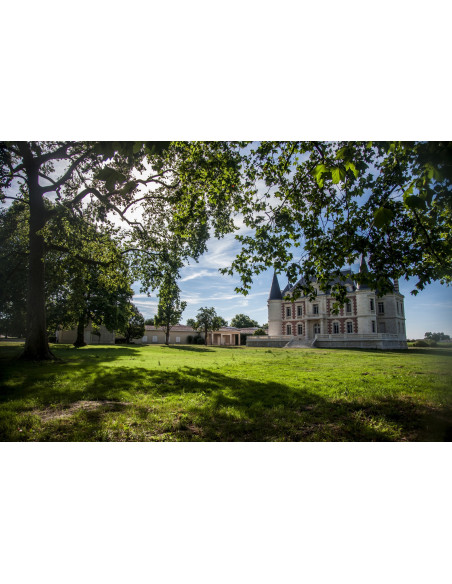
<point x="111" y="177"/>
<point x="352" y="167"/>
<point x="318" y="173"/>
<point x="414" y="202"/>
<point x="383" y="217"/>
<point x="337" y="174"/>
<point x="128" y="187"/>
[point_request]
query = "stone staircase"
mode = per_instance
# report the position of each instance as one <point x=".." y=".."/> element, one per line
<point x="300" y="344"/>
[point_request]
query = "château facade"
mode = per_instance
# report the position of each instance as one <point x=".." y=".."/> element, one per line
<point x="365" y="321"/>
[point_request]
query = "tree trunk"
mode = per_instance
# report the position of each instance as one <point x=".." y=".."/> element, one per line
<point x="80" y="340"/>
<point x="167" y="335"/>
<point x="36" y="343"/>
<point x="205" y="336"/>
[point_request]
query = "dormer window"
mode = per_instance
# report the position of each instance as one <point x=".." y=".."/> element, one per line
<point x="348" y="307"/>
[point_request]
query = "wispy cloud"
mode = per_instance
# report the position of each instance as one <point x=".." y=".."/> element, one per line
<point x="199" y="274"/>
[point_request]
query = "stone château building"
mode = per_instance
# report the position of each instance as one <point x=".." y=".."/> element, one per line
<point x="365" y="321"/>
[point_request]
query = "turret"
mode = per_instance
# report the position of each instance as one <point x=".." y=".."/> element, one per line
<point x="274" y="308"/>
<point x="364" y="270"/>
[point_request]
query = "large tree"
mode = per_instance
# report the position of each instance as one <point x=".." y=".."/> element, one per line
<point x="170" y="307"/>
<point x="182" y="191"/>
<point x="314" y="207"/>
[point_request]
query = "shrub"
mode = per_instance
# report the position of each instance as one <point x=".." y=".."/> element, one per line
<point x="190" y="339"/>
<point x="52" y="339"/>
<point x="120" y="340"/>
<point x="420" y="344"/>
<point x="432" y="343"/>
<point x="200" y="341"/>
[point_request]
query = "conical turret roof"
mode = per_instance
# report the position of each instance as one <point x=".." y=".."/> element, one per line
<point x="275" y="290"/>
<point x="363" y="269"/>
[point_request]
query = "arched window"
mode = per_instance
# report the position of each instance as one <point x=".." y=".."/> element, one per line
<point x="289" y="329"/>
<point x="335" y="328"/>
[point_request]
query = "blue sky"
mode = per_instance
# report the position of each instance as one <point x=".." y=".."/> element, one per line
<point x="202" y="285"/>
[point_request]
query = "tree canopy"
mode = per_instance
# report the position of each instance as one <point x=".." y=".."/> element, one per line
<point x="182" y="190"/>
<point x="170" y="307"/>
<point x="243" y="321"/>
<point x="437" y="336"/>
<point x="133" y="325"/>
<point x="314" y="207"/>
<point x="207" y="320"/>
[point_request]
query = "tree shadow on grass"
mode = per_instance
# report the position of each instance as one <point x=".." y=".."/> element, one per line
<point x="199" y="404"/>
<point x="56" y="381"/>
<point x="195" y="349"/>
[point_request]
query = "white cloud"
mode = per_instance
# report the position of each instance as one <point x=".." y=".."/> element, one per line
<point x="199" y="274"/>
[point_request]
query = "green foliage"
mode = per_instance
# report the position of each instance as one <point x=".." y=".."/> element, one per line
<point x="170" y="307"/>
<point x="437" y="336"/>
<point x="133" y="327"/>
<point x="259" y="332"/>
<point x="388" y="201"/>
<point x="184" y="190"/>
<point x="206" y="321"/>
<point x="243" y="321"/>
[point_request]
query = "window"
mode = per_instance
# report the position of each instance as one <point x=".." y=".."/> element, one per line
<point x="289" y="329"/>
<point x="288" y="311"/>
<point x="349" y="327"/>
<point x="398" y="307"/>
<point x="300" y="329"/>
<point x="382" y="327"/>
<point x="374" y="328"/>
<point x="335" y="328"/>
<point x="316" y="329"/>
<point x="154" y="339"/>
<point x="381" y="308"/>
<point x="177" y="339"/>
<point x="315" y="309"/>
<point x="299" y="311"/>
<point x="348" y="307"/>
<point x="372" y="305"/>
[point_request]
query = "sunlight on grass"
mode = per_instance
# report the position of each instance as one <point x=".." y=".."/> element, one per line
<point x="157" y="393"/>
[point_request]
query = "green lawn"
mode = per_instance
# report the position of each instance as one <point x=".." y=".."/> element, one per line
<point x="157" y="393"/>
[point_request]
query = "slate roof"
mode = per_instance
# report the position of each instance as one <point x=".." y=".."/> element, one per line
<point x="348" y="282"/>
<point x="275" y="290"/>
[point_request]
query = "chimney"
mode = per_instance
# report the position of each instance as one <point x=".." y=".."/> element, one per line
<point x="396" y="286"/>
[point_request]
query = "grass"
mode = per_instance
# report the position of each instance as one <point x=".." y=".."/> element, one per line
<point x="192" y="393"/>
